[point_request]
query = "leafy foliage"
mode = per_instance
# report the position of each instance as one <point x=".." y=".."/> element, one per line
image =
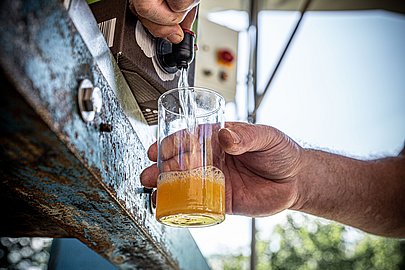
<point x="24" y="253"/>
<point x="313" y="244"/>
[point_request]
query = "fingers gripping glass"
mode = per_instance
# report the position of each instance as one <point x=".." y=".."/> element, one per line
<point x="191" y="185"/>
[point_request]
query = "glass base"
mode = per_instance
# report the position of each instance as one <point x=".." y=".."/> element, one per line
<point x="192" y="220"/>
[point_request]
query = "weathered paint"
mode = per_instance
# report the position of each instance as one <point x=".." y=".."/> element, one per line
<point x="70" y="172"/>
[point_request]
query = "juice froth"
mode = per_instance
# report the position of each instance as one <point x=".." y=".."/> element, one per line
<point x="193" y="198"/>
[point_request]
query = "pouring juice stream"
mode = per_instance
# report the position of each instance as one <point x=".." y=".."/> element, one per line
<point x="187" y="101"/>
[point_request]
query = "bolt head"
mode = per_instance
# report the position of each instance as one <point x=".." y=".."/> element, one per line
<point x="90" y="100"/>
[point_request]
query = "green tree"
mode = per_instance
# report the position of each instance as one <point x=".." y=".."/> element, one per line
<point x="312" y="244"/>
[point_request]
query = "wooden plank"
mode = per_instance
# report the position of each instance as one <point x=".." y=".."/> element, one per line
<point x="65" y="170"/>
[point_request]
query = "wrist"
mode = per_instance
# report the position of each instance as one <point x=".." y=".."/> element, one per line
<point x="301" y="183"/>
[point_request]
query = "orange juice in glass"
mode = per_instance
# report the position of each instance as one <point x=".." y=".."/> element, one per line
<point x="191" y="185"/>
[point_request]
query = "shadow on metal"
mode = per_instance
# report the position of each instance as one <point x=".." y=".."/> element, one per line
<point x="67" y="176"/>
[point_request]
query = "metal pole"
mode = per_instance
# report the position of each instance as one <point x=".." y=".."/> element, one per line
<point x="259" y="98"/>
<point x="253" y="255"/>
<point x="252" y="72"/>
<point x="252" y="97"/>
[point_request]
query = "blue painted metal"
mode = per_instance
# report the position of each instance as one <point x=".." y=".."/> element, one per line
<point x="71" y="254"/>
<point x="72" y="174"/>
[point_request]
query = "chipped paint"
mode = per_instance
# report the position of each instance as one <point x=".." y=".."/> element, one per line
<point x="80" y="178"/>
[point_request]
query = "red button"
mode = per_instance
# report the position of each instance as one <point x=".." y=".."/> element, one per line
<point x="225" y="57"/>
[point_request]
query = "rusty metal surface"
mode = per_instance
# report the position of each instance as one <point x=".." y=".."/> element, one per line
<point x="86" y="25"/>
<point x="131" y="60"/>
<point x="70" y="172"/>
<point x="20" y="219"/>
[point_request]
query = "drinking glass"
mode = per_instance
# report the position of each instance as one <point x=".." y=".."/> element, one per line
<point x="191" y="184"/>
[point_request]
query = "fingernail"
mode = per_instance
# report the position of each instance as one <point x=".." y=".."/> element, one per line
<point x="175" y="38"/>
<point x="235" y="137"/>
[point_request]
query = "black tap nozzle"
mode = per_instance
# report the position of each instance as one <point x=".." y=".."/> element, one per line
<point x="173" y="57"/>
<point x="184" y="51"/>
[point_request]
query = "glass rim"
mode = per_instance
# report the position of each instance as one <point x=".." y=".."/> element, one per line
<point x="197" y="89"/>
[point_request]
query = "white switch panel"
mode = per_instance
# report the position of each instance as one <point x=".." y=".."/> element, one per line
<point x="213" y="71"/>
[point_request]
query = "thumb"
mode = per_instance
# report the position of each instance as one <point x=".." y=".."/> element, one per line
<point x="239" y="138"/>
<point x="188" y="21"/>
<point x="186" y="24"/>
<point x="230" y="141"/>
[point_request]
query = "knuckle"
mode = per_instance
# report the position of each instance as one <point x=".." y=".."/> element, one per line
<point x="176" y="18"/>
<point x="142" y="8"/>
<point x="149" y="12"/>
<point x="181" y="5"/>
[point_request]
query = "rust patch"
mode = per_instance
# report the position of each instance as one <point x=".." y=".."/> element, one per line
<point x="77" y="177"/>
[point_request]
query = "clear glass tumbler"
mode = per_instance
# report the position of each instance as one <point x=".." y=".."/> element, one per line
<point x="191" y="185"/>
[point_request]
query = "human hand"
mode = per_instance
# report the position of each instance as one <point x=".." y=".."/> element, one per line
<point x="165" y="18"/>
<point x="261" y="169"/>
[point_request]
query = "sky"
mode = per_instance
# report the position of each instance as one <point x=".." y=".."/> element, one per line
<point x="340" y="88"/>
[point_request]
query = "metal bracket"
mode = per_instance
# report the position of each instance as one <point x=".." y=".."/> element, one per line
<point x="148" y="202"/>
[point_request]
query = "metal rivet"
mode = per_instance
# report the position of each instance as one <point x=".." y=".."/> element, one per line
<point x="105" y="127"/>
<point x="90" y="100"/>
